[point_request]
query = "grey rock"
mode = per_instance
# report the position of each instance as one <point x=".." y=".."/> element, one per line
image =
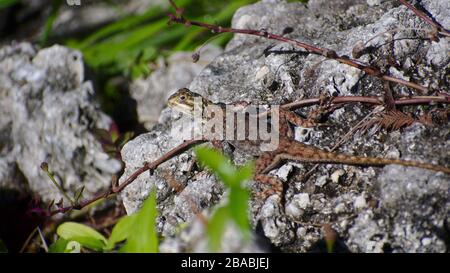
<point x="360" y="202"/>
<point x="264" y="71"/>
<point x="413" y="211"/>
<point x="297" y="205"/>
<point x="152" y="92"/>
<point x="47" y="113"/>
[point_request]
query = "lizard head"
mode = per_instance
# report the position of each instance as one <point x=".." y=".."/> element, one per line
<point x="184" y="100"/>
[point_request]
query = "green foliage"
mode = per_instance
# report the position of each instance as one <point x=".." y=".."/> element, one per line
<point x="51" y="175"/>
<point x="127" y="45"/>
<point x="7" y="3"/>
<point x="56" y="4"/>
<point x="236" y="207"/>
<point x="137" y="230"/>
<point x="59" y="246"/>
<point x="112" y="140"/>
<point x="85" y="235"/>
<point x="64" y="246"/>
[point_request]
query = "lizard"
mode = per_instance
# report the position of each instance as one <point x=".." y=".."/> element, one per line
<point x="288" y="149"/>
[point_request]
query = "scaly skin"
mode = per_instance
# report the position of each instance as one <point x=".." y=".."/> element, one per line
<point x="289" y="149"/>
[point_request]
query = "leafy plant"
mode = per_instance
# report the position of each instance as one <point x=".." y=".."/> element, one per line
<point x="7" y="3"/>
<point x="127" y="45"/>
<point x="137" y="230"/>
<point x="73" y="200"/>
<point x="236" y="207"/>
<point x="112" y="140"/>
<point x="56" y="5"/>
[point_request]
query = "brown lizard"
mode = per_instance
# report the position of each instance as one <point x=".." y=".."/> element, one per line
<point x="288" y="149"/>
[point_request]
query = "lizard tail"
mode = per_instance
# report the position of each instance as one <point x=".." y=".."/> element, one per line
<point x="373" y="161"/>
<point x="296" y="151"/>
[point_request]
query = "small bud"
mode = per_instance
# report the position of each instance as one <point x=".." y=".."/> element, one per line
<point x="179" y="11"/>
<point x="195" y="57"/>
<point x="114" y="181"/>
<point x="44" y="166"/>
<point x="172" y="18"/>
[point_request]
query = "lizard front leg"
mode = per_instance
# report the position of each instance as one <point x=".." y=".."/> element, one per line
<point x="286" y="118"/>
<point x="296" y="119"/>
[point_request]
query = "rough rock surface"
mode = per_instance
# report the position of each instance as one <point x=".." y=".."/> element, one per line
<point x="372" y="209"/>
<point x="47" y="113"/>
<point x="178" y="71"/>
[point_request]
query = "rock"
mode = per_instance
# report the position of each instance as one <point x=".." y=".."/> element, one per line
<point x="275" y="225"/>
<point x="414" y="207"/>
<point x="360" y="202"/>
<point x="47" y="113"/>
<point x="152" y="93"/>
<point x="335" y="176"/>
<point x="262" y="71"/>
<point x="297" y="206"/>
<point x="321" y="181"/>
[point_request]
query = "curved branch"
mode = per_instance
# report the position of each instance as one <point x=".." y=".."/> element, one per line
<point x="327" y="53"/>
<point x="147" y="167"/>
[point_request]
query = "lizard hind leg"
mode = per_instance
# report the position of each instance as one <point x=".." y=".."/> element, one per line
<point x="265" y="161"/>
<point x="275" y="186"/>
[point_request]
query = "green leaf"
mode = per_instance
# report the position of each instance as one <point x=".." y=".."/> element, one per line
<point x="218" y="163"/>
<point x="85" y="235"/>
<point x="245" y="173"/>
<point x="238" y="204"/>
<point x="123" y="139"/>
<point x="56" y="5"/>
<point x="120" y="26"/>
<point x="59" y="246"/>
<point x="121" y="230"/>
<point x="216" y="227"/>
<point x="144" y="237"/>
<point x="7" y="3"/>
